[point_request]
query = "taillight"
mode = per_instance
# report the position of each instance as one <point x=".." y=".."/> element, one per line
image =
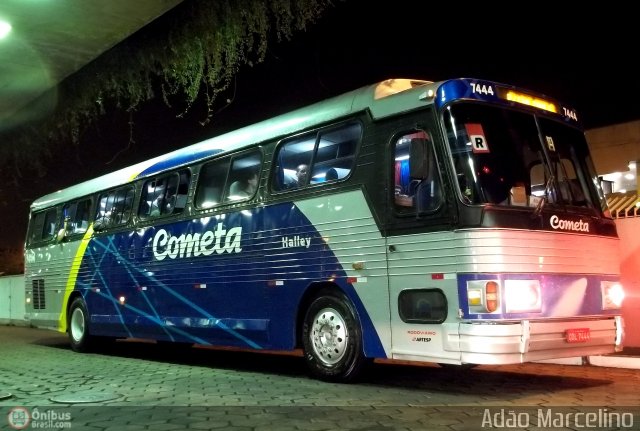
<point x="491" y="294"/>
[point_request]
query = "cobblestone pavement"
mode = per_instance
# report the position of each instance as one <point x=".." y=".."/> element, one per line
<point x="146" y="386"/>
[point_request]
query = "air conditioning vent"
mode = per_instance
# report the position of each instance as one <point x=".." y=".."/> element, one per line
<point x="38" y="294"/>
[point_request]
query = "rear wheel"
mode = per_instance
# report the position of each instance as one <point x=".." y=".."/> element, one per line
<point x="79" y="336"/>
<point x="332" y="338"/>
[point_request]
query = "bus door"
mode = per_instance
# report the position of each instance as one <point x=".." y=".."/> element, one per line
<point x="423" y="301"/>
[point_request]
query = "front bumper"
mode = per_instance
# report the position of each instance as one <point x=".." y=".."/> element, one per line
<point x="525" y="341"/>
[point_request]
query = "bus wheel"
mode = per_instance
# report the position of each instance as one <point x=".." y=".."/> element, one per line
<point x="79" y="335"/>
<point x="332" y="339"/>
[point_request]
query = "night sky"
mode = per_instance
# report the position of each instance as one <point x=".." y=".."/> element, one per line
<point x="584" y="58"/>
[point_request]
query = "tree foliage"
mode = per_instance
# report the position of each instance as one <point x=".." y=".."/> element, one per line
<point x="192" y="52"/>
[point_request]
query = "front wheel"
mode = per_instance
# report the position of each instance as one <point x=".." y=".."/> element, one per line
<point x="79" y="336"/>
<point x="332" y="338"/>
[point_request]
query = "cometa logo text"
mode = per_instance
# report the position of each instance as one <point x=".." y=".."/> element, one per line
<point x="219" y="241"/>
<point x="577" y="226"/>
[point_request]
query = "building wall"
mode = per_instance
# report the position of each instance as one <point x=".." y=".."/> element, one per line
<point x="12" y="309"/>
<point x="629" y="265"/>
<point x="613" y="147"/>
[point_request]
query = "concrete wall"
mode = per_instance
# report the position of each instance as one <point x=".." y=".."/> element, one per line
<point x="12" y="300"/>
<point x="613" y="147"/>
<point x="628" y="229"/>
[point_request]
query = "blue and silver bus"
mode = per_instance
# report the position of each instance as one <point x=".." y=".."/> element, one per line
<point x="453" y="222"/>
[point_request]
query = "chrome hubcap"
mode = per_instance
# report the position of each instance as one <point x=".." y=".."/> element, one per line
<point x="77" y="324"/>
<point x="329" y="336"/>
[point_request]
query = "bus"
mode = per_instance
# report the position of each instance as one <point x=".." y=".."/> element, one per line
<point x="458" y="222"/>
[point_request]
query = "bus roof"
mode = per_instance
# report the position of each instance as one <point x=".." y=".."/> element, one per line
<point x="381" y="99"/>
<point x="374" y="97"/>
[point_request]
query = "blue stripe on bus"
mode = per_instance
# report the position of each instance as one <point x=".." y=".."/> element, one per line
<point x="214" y="277"/>
<point x="126" y="264"/>
<point x="457" y="89"/>
<point x="487" y="91"/>
<point x="180" y="158"/>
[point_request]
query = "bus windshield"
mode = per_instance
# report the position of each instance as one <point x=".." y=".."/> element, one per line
<point x="513" y="158"/>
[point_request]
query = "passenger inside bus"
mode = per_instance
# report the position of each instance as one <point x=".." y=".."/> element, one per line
<point x="156" y="206"/>
<point x="244" y="187"/>
<point x="302" y="172"/>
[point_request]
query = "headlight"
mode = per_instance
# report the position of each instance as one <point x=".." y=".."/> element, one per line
<point x="612" y="295"/>
<point x="522" y="295"/>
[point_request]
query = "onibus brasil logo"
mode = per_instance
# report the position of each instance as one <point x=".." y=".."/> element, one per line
<point x="20" y="418"/>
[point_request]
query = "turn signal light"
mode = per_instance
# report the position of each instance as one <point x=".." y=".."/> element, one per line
<point x="491" y="294"/>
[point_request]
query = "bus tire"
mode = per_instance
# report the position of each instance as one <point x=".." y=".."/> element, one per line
<point x="332" y="338"/>
<point x="80" y="337"/>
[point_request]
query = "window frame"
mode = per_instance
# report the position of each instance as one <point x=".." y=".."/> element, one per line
<point x="316" y="135"/>
<point x="128" y="189"/>
<point x="170" y="201"/>
<point x="435" y="175"/>
<point x="70" y="232"/>
<point x="227" y="160"/>
<point x="42" y="240"/>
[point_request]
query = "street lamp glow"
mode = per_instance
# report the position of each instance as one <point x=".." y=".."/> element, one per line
<point x="5" y="28"/>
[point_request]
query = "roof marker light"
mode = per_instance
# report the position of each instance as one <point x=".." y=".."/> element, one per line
<point x="526" y="99"/>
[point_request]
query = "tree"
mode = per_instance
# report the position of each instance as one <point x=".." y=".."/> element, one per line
<point x="192" y="52"/>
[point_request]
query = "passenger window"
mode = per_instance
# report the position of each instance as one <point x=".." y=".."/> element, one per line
<point x="211" y="184"/>
<point x="164" y="195"/>
<point x="415" y="176"/>
<point x="43" y="226"/>
<point x="114" y="208"/>
<point x="244" y="176"/>
<point x="317" y="158"/>
<point x="76" y="214"/>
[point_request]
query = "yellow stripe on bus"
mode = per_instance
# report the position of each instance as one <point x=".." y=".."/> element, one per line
<point x="73" y="275"/>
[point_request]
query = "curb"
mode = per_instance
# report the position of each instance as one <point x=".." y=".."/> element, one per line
<point x="615" y="361"/>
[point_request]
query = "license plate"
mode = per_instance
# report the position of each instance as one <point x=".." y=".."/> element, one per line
<point x="577" y="335"/>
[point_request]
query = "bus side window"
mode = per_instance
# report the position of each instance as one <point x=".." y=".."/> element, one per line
<point x="335" y="154"/>
<point x="103" y="211"/>
<point x="183" y="191"/>
<point x="81" y="221"/>
<point x="293" y="160"/>
<point x="43" y="226"/>
<point x="76" y="215"/>
<point x="416" y="180"/>
<point x="316" y="158"/>
<point x="164" y="195"/>
<point x="114" y="208"/>
<point x="211" y="183"/>
<point x="243" y="176"/>
<point x="123" y="206"/>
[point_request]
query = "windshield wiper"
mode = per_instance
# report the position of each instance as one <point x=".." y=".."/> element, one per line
<point x="545" y="197"/>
